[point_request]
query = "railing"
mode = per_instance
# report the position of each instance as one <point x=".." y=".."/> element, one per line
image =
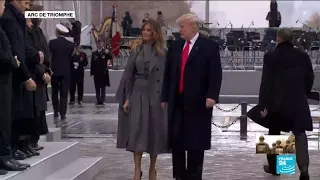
<point x="231" y="58"/>
<point x="243" y="118"/>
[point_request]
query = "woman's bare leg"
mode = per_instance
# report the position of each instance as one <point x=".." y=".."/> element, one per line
<point x="152" y="169"/>
<point x="137" y="156"/>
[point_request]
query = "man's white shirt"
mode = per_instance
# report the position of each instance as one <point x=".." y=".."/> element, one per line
<point x="192" y="42"/>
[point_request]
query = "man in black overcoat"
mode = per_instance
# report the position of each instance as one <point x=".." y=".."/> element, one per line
<point x="191" y="87"/>
<point x="41" y="74"/>
<point x="8" y="65"/>
<point x="287" y="78"/>
<point x="79" y="60"/>
<point x="14" y="25"/>
<point x="100" y="60"/>
<point x="61" y="51"/>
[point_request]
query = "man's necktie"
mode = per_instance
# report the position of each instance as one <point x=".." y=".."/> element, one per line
<point x="184" y="58"/>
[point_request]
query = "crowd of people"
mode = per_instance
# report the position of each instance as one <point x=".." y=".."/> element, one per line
<point x="24" y="75"/>
<point x="28" y="63"/>
<point x="127" y="22"/>
<point x="166" y="95"/>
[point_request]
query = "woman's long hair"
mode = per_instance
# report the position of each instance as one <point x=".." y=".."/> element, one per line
<point x="159" y="42"/>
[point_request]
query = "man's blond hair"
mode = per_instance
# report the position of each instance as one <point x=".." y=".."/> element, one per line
<point x="189" y="17"/>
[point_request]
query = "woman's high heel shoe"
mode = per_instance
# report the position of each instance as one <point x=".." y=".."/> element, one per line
<point x="140" y="175"/>
<point x="155" y="173"/>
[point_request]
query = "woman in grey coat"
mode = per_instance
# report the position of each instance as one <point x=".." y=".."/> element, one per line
<point x="142" y="124"/>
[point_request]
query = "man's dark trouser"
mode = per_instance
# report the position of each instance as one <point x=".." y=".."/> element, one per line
<point x="100" y="89"/>
<point x="76" y="85"/>
<point x="5" y="115"/>
<point x="41" y="127"/>
<point x="60" y="84"/>
<point x="194" y="160"/>
<point x="302" y="154"/>
<point x="34" y="139"/>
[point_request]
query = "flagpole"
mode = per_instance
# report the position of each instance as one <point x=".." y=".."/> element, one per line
<point x="79" y="11"/>
<point x="207" y="13"/>
<point x="101" y="11"/>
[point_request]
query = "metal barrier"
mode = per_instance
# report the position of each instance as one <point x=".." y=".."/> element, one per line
<point x="244" y="121"/>
<point x="232" y="58"/>
<point x="243" y="118"/>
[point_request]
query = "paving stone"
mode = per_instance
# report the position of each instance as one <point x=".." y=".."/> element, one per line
<point x="229" y="158"/>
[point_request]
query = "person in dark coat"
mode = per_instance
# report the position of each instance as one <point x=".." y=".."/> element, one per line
<point x="75" y="31"/>
<point x="126" y="24"/>
<point x="287" y="79"/>
<point x="274" y="16"/>
<point x="191" y="87"/>
<point x="61" y="51"/>
<point x="14" y="25"/>
<point x="34" y="61"/>
<point x="8" y="66"/>
<point x="79" y="60"/>
<point x="100" y="61"/>
<point x="41" y="74"/>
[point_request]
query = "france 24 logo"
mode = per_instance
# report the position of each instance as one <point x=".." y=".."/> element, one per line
<point x="286" y="164"/>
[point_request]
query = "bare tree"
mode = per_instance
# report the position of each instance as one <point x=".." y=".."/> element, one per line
<point x="314" y="21"/>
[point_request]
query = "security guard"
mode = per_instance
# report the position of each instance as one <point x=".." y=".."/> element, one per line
<point x="100" y="61"/>
<point x="79" y="61"/>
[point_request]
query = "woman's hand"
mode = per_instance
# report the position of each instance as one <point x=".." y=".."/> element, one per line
<point x="264" y="113"/>
<point x="126" y="106"/>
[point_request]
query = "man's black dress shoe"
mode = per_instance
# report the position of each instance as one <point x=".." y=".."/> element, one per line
<point x="10" y="166"/>
<point x="3" y="172"/>
<point x="304" y="176"/>
<point x="27" y="152"/>
<point x="33" y="152"/>
<point x="71" y="103"/>
<point x="63" y="117"/>
<point x="267" y="169"/>
<point x="18" y="155"/>
<point x="37" y="147"/>
<point x="19" y="163"/>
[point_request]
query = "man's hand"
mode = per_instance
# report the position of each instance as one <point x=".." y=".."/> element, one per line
<point x="30" y="85"/>
<point x="41" y="55"/>
<point x="46" y="78"/>
<point x="126" y="106"/>
<point x="18" y="62"/>
<point x="164" y="105"/>
<point x="210" y="103"/>
<point x="109" y="63"/>
<point x="264" y="113"/>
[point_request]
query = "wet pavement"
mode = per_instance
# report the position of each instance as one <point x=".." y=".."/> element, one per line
<point x="229" y="159"/>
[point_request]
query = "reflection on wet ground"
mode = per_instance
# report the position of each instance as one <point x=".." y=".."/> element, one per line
<point x="229" y="158"/>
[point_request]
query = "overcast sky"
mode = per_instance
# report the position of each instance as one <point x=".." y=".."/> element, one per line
<point x="243" y="12"/>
